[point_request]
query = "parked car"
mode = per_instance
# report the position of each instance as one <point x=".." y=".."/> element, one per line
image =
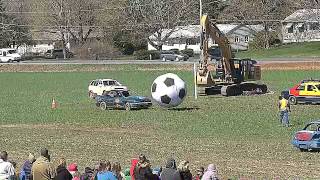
<point x="307" y="91"/>
<point x="9" y="55"/>
<point x="117" y="100"/>
<point x="308" y="138"/>
<point x="57" y="53"/>
<point x="172" y="56"/>
<point x="103" y="86"/>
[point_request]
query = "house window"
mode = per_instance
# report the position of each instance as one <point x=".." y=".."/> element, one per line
<point x="246" y="38"/>
<point x="314" y="26"/>
<point x="300" y="27"/>
<point x="236" y="39"/>
<point x="290" y="29"/>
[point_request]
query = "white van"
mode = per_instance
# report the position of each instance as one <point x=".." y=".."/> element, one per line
<point x="9" y="55"/>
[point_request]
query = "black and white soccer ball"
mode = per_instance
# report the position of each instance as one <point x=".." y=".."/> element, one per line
<point x="168" y="90"/>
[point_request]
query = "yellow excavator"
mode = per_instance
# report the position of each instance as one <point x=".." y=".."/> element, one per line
<point x="232" y="76"/>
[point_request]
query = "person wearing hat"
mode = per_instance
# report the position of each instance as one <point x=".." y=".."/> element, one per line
<point x="42" y="168"/>
<point x="62" y="172"/>
<point x="25" y="172"/>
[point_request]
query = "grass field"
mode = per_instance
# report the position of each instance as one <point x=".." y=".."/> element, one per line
<point x="241" y="135"/>
<point x="295" y="50"/>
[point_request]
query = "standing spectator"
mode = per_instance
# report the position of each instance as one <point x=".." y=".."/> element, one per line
<point x="170" y="171"/>
<point x="42" y="168"/>
<point x="200" y="172"/>
<point x="6" y="168"/>
<point x="62" y="172"/>
<point x="73" y="169"/>
<point x="134" y="162"/>
<point x="88" y="174"/>
<point x="211" y="173"/>
<point x="25" y="173"/>
<point x="143" y="169"/>
<point x="116" y="169"/>
<point x="184" y="170"/>
<point x="284" y="108"/>
<point x="105" y="172"/>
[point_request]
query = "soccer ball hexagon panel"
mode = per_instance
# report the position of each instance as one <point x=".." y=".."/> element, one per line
<point x="168" y="90"/>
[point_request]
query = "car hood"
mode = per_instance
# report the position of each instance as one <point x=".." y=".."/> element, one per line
<point x="139" y="98"/>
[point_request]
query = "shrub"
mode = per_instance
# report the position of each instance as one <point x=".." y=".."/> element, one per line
<point x="145" y="54"/>
<point x="260" y="41"/>
<point x="188" y="52"/>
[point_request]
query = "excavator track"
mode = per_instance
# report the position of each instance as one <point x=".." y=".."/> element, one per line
<point x="238" y="89"/>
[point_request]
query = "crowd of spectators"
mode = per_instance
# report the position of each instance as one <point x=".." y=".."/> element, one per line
<point x="42" y="168"/>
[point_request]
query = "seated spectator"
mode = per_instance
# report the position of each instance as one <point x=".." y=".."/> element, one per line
<point x="105" y="172"/>
<point x="116" y="169"/>
<point x="73" y="169"/>
<point x="170" y="171"/>
<point x="62" y="172"/>
<point x="134" y="162"/>
<point x="142" y="170"/>
<point x="127" y="174"/>
<point x="6" y="168"/>
<point x="88" y="174"/>
<point x="184" y="170"/>
<point x="200" y="172"/>
<point x="211" y="173"/>
<point x="25" y="172"/>
<point x="42" y="168"/>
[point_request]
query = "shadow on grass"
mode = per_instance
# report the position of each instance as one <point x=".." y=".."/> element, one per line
<point x="184" y="109"/>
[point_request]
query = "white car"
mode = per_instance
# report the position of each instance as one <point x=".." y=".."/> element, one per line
<point x="103" y="86"/>
<point x="9" y="55"/>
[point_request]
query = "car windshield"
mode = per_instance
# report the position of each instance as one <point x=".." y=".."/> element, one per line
<point x="12" y="51"/>
<point x="111" y="83"/>
<point x="312" y="127"/>
<point x="318" y="86"/>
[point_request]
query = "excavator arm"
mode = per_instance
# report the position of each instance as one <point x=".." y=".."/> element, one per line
<point x="212" y="31"/>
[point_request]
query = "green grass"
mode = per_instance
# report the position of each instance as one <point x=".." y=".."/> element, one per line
<point x="240" y="134"/>
<point x="294" y="50"/>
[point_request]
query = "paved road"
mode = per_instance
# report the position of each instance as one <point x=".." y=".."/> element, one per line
<point x="107" y="62"/>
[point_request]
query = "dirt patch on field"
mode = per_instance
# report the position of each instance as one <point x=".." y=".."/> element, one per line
<point x="147" y="67"/>
<point x="291" y="66"/>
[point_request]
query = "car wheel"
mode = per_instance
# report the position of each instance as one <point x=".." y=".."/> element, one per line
<point x="164" y="59"/>
<point x="103" y="106"/>
<point x="293" y="100"/>
<point x="177" y="59"/>
<point x="56" y="57"/>
<point x="303" y="150"/>
<point x="127" y="106"/>
<point x="10" y="61"/>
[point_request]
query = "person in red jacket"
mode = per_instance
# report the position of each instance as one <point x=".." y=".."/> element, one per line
<point x="134" y="162"/>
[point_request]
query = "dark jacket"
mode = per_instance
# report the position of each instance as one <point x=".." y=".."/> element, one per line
<point x="185" y="175"/>
<point x="142" y="171"/>
<point x="170" y="171"/>
<point x="63" y="174"/>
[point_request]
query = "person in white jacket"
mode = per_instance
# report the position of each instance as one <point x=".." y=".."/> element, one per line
<point x="6" y="168"/>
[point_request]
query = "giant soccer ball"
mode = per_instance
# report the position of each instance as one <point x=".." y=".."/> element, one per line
<point x="168" y="90"/>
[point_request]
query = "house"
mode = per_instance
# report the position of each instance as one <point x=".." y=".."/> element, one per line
<point x="184" y="37"/>
<point x="301" y="26"/>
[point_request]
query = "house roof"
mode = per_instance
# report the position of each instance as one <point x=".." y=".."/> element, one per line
<point x="304" y="15"/>
<point x="193" y="31"/>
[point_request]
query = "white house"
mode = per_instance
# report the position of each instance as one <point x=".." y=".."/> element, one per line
<point x="189" y="36"/>
<point x="302" y="26"/>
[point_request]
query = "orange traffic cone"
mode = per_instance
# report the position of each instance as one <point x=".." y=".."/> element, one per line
<point x="54" y="104"/>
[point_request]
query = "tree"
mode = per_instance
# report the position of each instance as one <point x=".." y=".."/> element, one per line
<point x="12" y="33"/>
<point x="152" y="17"/>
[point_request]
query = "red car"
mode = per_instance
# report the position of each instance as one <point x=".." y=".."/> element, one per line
<point x="307" y="91"/>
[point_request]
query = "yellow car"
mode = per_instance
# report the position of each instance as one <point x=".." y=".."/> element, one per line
<point x="308" y="91"/>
